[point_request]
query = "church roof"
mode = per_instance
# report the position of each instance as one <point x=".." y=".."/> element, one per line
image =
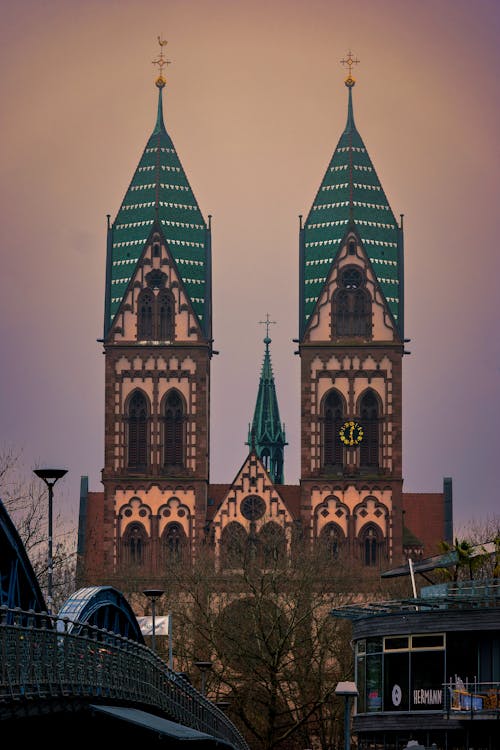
<point x="351" y="193"/>
<point x="160" y="190"/>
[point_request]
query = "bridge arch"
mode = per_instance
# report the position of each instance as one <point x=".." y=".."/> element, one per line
<point x="18" y="583"/>
<point x="103" y="607"/>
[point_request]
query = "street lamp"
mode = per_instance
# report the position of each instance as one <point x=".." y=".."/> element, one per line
<point x="204" y="667"/>
<point x="348" y="690"/>
<point x="153" y="594"/>
<point x="50" y="477"/>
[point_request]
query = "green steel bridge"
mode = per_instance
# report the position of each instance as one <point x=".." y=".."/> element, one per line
<point x="87" y="672"/>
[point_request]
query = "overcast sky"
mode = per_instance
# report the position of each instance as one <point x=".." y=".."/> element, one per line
<point x="255" y="104"/>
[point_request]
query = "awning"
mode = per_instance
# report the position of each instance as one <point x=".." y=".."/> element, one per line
<point x="159" y="725"/>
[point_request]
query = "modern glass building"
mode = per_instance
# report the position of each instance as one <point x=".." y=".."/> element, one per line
<point x="428" y="668"/>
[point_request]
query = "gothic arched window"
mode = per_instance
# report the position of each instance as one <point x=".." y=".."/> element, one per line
<point x="271" y="545"/>
<point x="333" y="453"/>
<point x="137" y="442"/>
<point x="370" y="545"/>
<point x="174" y="431"/>
<point x="174" y="544"/>
<point x="233" y="546"/>
<point x="145" y="315"/>
<point x="165" y="317"/>
<point x="134" y="545"/>
<point x="330" y="538"/>
<point x="351" y="305"/>
<point x="369" y="414"/>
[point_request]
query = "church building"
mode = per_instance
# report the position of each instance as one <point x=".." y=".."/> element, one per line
<point x="157" y="507"/>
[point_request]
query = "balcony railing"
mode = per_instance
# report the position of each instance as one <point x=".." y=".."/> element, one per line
<point x="472" y="699"/>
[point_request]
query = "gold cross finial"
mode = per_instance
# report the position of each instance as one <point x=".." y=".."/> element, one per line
<point x="267" y="322"/>
<point x="348" y="61"/>
<point x="161" y="62"/>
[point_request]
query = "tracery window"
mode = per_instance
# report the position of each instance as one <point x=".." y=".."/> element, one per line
<point x="174" y="544"/>
<point x="271" y="545"/>
<point x="233" y="546"/>
<point x="155" y="313"/>
<point x="135" y="545"/>
<point x="370" y="445"/>
<point x="330" y="538"/>
<point x="145" y="305"/>
<point x="333" y="410"/>
<point x="351" y="305"/>
<point x="137" y="428"/>
<point x="370" y="546"/>
<point x="165" y="303"/>
<point x="174" y="430"/>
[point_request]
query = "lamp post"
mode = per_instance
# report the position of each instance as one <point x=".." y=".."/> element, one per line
<point x="50" y="477"/>
<point x="204" y="667"/>
<point x="153" y="594"/>
<point x="348" y="690"/>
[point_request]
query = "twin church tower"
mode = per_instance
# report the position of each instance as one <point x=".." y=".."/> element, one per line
<point x="158" y="509"/>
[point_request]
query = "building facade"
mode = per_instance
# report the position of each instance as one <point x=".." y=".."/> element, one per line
<point x="157" y="506"/>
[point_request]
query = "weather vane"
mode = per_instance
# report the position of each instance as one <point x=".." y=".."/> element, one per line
<point x="348" y="62"/>
<point x="161" y="62"/>
<point x="267" y="322"/>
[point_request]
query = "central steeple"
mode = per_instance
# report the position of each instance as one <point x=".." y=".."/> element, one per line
<point x="160" y="191"/>
<point x="351" y="195"/>
<point x="266" y="433"/>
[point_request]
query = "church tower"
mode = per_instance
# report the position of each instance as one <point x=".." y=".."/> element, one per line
<point x="157" y="346"/>
<point x="266" y="434"/>
<point x="351" y="347"/>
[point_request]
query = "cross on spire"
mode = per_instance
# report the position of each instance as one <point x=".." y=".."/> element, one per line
<point x="267" y="322"/>
<point x="348" y="62"/>
<point x="161" y="62"/>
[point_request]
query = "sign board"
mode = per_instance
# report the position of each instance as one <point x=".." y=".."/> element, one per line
<point x="161" y="625"/>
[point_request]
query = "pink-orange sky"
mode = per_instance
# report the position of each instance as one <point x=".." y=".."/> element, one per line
<point x="255" y="104"/>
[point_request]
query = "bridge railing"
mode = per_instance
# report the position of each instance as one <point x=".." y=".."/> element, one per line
<point x="43" y="657"/>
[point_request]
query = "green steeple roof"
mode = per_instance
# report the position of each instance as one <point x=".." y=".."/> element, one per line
<point x="351" y="193"/>
<point x="160" y="191"/>
<point x="266" y="434"/>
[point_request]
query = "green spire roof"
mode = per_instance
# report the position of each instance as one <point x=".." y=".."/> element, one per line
<point x="351" y="193"/>
<point x="267" y="435"/>
<point x="160" y="191"/>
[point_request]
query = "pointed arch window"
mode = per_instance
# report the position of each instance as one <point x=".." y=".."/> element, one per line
<point x="165" y="303"/>
<point x="137" y="422"/>
<point x="370" y="419"/>
<point x="333" y="417"/>
<point x="233" y="546"/>
<point x="351" y="305"/>
<point x="174" y="430"/>
<point x="330" y="538"/>
<point x="271" y="545"/>
<point x="145" y="306"/>
<point x="174" y="544"/>
<point x="155" y="310"/>
<point x="370" y="546"/>
<point x="135" y="545"/>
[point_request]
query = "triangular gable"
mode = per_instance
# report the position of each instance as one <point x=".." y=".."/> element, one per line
<point x="252" y="481"/>
<point x="351" y="253"/>
<point x="156" y="268"/>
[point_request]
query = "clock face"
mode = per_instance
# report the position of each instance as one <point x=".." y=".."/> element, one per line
<point x="351" y="433"/>
<point x="253" y="507"/>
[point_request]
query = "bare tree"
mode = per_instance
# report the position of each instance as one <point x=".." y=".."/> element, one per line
<point x="26" y="502"/>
